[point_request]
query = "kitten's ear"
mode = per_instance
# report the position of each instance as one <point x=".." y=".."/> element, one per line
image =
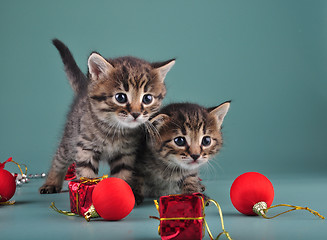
<point x="159" y="120"/>
<point x="220" y="112"/>
<point x="163" y="68"/>
<point x="98" y="66"/>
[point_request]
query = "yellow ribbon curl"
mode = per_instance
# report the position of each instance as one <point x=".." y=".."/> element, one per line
<point x="19" y="166"/>
<point x="7" y="203"/>
<point x="197" y="218"/>
<point x="293" y="209"/>
<point x="20" y="169"/>
<point x="67" y="213"/>
<point x="221" y="220"/>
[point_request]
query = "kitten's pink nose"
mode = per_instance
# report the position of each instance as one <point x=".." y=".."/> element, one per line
<point x="135" y="114"/>
<point x="195" y="156"/>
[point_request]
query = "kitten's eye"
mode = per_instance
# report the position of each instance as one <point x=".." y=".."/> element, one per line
<point x="121" y="97"/>
<point x="147" y="99"/>
<point x="206" y="141"/>
<point x="180" y="141"/>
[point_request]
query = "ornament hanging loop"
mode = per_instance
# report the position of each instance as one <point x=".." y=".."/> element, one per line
<point x="261" y="209"/>
<point x="2" y="165"/>
<point x="293" y="209"/>
<point x="91" y="213"/>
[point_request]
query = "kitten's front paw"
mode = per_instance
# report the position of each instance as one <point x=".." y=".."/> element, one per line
<point x="206" y="198"/>
<point x="202" y="188"/>
<point x="48" y="189"/>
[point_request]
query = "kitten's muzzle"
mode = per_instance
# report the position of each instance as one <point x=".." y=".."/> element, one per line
<point x="195" y="156"/>
<point x="135" y="115"/>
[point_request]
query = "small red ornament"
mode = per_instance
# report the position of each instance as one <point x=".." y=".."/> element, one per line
<point x="113" y="199"/>
<point x="249" y="189"/>
<point x="7" y="183"/>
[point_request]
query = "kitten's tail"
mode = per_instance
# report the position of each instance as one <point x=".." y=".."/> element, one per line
<point x="76" y="77"/>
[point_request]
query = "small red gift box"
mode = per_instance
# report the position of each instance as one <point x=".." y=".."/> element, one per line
<point x="181" y="217"/>
<point x="80" y="194"/>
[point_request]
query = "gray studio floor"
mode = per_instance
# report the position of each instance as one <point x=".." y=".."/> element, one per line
<point x="31" y="217"/>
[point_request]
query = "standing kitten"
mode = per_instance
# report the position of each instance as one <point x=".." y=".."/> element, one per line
<point x="188" y="136"/>
<point x="106" y="119"/>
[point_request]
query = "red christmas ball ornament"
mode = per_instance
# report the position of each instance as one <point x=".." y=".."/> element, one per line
<point x="7" y="183"/>
<point x="251" y="191"/>
<point x="113" y="199"/>
<point x="252" y="194"/>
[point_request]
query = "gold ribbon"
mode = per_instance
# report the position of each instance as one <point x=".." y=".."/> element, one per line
<point x="91" y="213"/>
<point x="221" y="220"/>
<point x="67" y="213"/>
<point x="198" y="218"/>
<point x="20" y="169"/>
<point x="293" y="209"/>
<point x="88" y="215"/>
<point x="6" y="203"/>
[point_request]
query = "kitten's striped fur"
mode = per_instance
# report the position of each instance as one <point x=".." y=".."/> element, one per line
<point x="106" y="121"/>
<point x="168" y="164"/>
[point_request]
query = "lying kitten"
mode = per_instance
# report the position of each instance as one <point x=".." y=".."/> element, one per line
<point x="188" y="136"/>
<point x="106" y="119"/>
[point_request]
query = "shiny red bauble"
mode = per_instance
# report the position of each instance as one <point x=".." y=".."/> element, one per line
<point x="249" y="189"/>
<point x="113" y="199"/>
<point x="7" y="185"/>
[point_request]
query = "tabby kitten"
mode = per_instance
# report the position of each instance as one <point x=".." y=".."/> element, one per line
<point x="106" y="119"/>
<point x="188" y="135"/>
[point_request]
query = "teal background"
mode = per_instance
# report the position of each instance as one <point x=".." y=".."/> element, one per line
<point x="268" y="57"/>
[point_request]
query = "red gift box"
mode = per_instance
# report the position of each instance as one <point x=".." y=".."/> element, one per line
<point x="80" y="194"/>
<point x="181" y="217"/>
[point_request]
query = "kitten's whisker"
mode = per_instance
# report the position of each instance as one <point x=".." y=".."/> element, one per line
<point x="168" y="167"/>
<point x="153" y="132"/>
<point x="117" y="130"/>
<point x="209" y="170"/>
<point x="214" y="162"/>
<point x="212" y="169"/>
